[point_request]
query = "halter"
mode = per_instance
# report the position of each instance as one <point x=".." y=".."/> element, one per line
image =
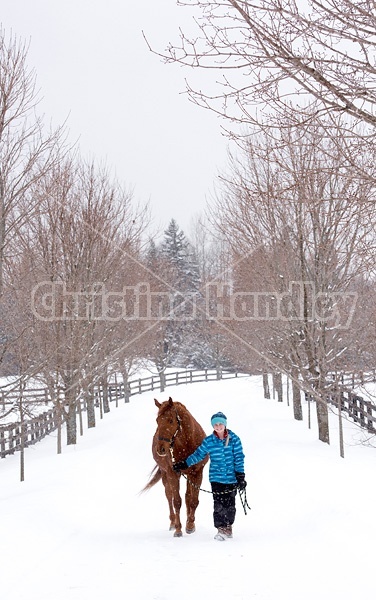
<point x="171" y="440"/>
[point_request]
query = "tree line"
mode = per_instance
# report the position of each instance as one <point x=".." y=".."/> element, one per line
<point x="277" y="276"/>
<point x="295" y="86"/>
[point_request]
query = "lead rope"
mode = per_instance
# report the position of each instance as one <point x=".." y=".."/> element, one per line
<point x="243" y="500"/>
<point x="242" y="493"/>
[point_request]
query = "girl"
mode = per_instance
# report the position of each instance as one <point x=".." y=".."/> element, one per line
<point x="226" y="472"/>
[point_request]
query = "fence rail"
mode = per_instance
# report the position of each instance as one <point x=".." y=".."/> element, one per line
<point x="358" y="409"/>
<point x="156" y="382"/>
<point x="14" y="436"/>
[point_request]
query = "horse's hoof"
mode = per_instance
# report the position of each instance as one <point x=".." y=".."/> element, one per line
<point x="190" y="530"/>
<point x="178" y="534"/>
<point x="172" y="528"/>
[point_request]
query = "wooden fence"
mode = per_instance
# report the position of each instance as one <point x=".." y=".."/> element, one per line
<point x="358" y="409"/>
<point x="155" y="382"/>
<point x="14" y="435"/>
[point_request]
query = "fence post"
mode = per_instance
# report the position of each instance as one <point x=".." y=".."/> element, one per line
<point x="348" y="400"/>
<point x="362" y="417"/>
<point x="338" y="397"/>
<point x="22" y="434"/>
<point x="58" y="414"/>
<point x="369" y="420"/>
<point x="354" y="407"/>
<point x="2" y="443"/>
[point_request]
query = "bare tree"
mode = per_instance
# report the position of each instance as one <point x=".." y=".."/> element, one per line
<point x="273" y="53"/>
<point x="70" y="256"/>
<point x="27" y="152"/>
<point x="292" y="199"/>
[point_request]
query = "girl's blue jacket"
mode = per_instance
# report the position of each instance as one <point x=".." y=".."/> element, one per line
<point x="226" y="457"/>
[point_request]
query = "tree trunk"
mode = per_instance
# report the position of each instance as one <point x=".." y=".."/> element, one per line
<point x="162" y="380"/>
<point x="322" y="419"/>
<point x="297" y="404"/>
<point x="296" y="396"/>
<point x="265" y="383"/>
<point x="90" y="408"/>
<point x="71" y="421"/>
<point x="2" y="234"/>
<point x="79" y="411"/>
<point x="277" y="382"/>
<point x="106" y="404"/>
<point x="126" y="386"/>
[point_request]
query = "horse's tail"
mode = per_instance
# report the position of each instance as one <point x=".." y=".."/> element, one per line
<point x="154" y="479"/>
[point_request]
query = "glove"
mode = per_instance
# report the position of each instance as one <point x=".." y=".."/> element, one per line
<point x="180" y="466"/>
<point x="240" y="478"/>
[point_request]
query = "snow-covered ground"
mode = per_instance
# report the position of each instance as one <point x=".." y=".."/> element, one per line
<point x="78" y="529"/>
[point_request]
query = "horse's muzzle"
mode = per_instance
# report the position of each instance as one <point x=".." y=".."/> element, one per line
<point x="161" y="450"/>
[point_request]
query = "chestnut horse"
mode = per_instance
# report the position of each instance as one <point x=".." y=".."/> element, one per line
<point x="178" y="434"/>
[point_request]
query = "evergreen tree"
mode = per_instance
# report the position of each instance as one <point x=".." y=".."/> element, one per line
<point x="186" y="337"/>
<point x="180" y="255"/>
<point x="152" y="255"/>
<point x="174" y="245"/>
<point x="184" y="279"/>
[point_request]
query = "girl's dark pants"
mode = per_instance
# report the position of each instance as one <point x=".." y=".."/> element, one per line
<point x="224" y="503"/>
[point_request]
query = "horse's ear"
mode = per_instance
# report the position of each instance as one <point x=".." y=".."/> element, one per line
<point x="170" y="401"/>
<point x="158" y="404"/>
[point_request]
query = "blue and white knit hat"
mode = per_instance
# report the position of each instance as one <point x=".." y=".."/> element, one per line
<point x="219" y="417"/>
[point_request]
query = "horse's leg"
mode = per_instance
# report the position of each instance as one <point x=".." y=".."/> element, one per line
<point x="169" y="496"/>
<point x="174" y="485"/>
<point x="191" y="499"/>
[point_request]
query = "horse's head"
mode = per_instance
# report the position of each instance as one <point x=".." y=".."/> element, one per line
<point x="168" y="426"/>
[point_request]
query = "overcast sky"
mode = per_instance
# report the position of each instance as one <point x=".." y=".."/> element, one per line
<point x="122" y="102"/>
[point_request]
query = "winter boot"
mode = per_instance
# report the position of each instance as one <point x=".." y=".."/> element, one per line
<point x="222" y="534"/>
<point x="228" y="531"/>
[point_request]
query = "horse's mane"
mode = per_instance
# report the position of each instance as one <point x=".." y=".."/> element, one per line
<point x="166" y="405"/>
<point x="181" y="410"/>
